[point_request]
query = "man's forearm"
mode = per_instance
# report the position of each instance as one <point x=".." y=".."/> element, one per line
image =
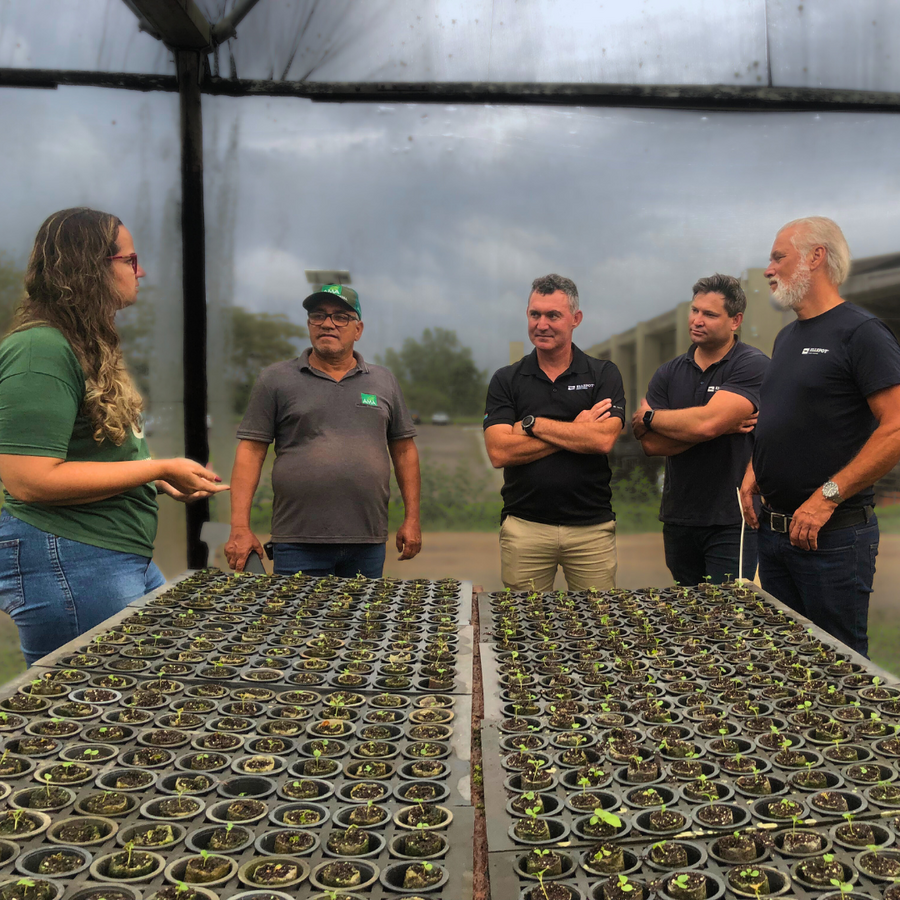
<point x="579" y="437"/>
<point x="509" y="449"/>
<point x="654" y="444"/>
<point x="690" y="426"/>
<point x="248" y="463"/>
<point x="406" y="468"/>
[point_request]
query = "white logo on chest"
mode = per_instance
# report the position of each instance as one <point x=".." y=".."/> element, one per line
<point x="813" y="351"/>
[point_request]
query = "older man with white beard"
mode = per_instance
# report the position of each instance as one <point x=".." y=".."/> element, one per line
<point x="829" y="428"/>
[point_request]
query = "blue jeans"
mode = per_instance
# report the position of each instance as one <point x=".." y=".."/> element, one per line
<point x="695" y="551"/>
<point x="344" y="560"/>
<point x="830" y="585"/>
<point x="56" y="589"/>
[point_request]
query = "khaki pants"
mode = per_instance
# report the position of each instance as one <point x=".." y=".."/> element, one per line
<point x="531" y="552"/>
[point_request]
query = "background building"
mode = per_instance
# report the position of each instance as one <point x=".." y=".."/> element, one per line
<point x="874" y="284"/>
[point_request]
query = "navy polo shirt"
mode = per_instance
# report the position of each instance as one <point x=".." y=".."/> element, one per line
<point x="815" y="416"/>
<point x="564" y="488"/>
<point x="701" y="482"/>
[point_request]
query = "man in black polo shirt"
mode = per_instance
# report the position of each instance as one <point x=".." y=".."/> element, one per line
<point x="699" y="414"/>
<point x="550" y="421"/>
<point x="829" y="428"/>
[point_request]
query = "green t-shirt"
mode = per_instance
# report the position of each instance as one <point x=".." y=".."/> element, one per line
<point x="41" y="393"/>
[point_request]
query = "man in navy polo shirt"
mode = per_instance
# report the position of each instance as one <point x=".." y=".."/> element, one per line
<point x="549" y="423"/>
<point x="699" y="414"/>
<point x="829" y="428"/>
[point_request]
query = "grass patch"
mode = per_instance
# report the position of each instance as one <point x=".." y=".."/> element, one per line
<point x="12" y="663"/>
<point x="884" y="644"/>
<point x="888" y="519"/>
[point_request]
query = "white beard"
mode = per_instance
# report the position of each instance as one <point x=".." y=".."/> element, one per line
<point x="790" y="294"/>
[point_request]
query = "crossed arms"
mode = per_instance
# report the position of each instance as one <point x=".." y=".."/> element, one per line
<point x="677" y="430"/>
<point x="594" y="430"/>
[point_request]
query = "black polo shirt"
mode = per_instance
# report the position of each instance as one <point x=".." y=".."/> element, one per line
<point x="814" y="416"/>
<point x="565" y="488"/>
<point x="700" y="485"/>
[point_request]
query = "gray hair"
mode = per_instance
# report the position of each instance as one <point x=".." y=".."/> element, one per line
<point x="726" y="285"/>
<point x="550" y="284"/>
<point x="817" y="231"/>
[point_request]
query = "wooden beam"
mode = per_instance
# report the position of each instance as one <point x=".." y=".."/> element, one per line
<point x="177" y="23"/>
<point x="689" y="96"/>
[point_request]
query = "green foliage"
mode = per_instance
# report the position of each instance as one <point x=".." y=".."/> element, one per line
<point x="11" y="291"/>
<point x="437" y="374"/>
<point x="451" y="501"/>
<point x="258" y="340"/>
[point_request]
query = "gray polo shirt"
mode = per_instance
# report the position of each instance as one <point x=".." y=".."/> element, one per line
<point x="332" y="471"/>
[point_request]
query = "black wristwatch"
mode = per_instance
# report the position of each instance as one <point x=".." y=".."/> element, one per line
<point x="648" y="419"/>
<point x="527" y="425"/>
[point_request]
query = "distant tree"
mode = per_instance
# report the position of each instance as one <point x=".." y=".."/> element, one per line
<point x="135" y="327"/>
<point x="11" y="291"/>
<point x="437" y="374"/>
<point x="258" y="340"/>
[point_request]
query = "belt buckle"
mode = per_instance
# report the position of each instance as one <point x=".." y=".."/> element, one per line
<point x="784" y="523"/>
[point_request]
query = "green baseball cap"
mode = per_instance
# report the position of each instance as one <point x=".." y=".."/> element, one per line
<point x="341" y="292"/>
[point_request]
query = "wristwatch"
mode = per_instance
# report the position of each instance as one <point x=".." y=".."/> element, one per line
<point x="648" y="419"/>
<point x="527" y="425"/>
<point x="830" y="491"/>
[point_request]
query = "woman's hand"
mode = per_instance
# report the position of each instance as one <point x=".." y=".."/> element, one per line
<point x="187" y="480"/>
<point x="165" y="488"/>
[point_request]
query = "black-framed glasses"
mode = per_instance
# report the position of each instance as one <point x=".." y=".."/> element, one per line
<point x="340" y="319"/>
<point x="132" y="259"/>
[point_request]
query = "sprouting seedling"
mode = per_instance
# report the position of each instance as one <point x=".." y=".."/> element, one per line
<point x="682" y="881"/>
<point x="843" y="886"/>
<point x="624" y="884"/>
<point x="606" y="818"/>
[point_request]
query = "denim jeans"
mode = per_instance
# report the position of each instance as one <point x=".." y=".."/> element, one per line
<point x="344" y="560"/>
<point x="695" y="551"/>
<point x="56" y="589"/>
<point x="830" y="585"/>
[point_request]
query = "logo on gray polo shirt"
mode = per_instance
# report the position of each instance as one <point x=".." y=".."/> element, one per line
<point x="368" y="399"/>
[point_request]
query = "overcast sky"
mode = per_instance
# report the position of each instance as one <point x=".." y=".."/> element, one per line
<point x="443" y="214"/>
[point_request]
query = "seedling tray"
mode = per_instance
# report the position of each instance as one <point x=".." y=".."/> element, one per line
<point x="127" y="630"/>
<point x="578" y="648"/>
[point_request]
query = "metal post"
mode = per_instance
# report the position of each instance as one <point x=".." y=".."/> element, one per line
<point x="193" y="243"/>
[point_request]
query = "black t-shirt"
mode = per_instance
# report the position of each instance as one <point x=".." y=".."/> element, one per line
<point x="700" y="486"/>
<point x="813" y="416"/>
<point x="564" y="488"/>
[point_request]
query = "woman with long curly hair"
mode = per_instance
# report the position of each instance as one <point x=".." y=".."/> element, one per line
<point x="80" y="512"/>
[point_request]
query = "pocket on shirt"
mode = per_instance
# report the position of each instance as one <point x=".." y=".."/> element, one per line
<point x="12" y="593"/>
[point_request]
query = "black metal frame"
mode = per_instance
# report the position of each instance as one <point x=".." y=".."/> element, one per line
<point x="193" y="80"/>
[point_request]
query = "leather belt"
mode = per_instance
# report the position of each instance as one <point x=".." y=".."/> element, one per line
<point x="780" y="523"/>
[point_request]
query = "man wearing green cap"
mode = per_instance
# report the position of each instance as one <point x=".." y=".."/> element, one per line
<point x="338" y="423"/>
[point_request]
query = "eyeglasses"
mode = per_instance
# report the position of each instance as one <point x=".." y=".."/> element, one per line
<point x="132" y="260"/>
<point x="340" y="319"/>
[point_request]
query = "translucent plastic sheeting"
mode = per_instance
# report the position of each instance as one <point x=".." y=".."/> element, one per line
<point x="444" y="215"/>
<point x="118" y="152"/>
<point x="835" y="44"/>
<point x="618" y="41"/>
<point x="93" y="35"/>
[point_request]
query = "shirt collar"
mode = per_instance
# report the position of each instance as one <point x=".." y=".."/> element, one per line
<point x="728" y="355"/>
<point x="360" y="367"/>
<point x="579" y="364"/>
